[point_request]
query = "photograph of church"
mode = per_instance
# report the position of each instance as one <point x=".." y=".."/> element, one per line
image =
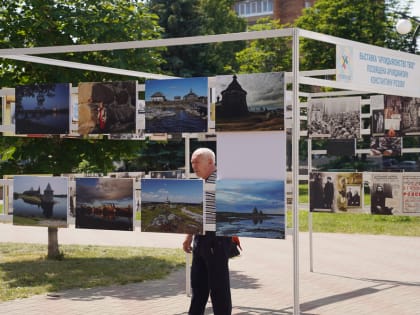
<point x="40" y="201"/>
<point x="172" y="205"/>
<point x="250" y="102"/>
<point x="42" y="108"/>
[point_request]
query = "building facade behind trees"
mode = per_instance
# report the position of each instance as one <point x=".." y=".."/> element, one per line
<point x="285" y="10"/>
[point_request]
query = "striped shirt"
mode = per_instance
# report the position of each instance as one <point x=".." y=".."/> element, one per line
<point x="210" y="203"/>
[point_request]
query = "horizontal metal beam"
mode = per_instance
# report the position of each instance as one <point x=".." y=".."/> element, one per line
<point x="84" y="66"/>
<point x="179" y="41"/>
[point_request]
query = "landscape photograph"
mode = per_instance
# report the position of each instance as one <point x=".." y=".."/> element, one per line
<point x="104" y="203"/>
<point x="176" y="105"/>
<point x="42" y="108"/>
<point x="172" y="205"/>
<point x="250" y="102"/>
<point x="40" y="201"/>
<point x="250" y="208"/>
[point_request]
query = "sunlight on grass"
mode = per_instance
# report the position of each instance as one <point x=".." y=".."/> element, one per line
<point x="358" y="223"/>
<point x="26" y="271"/>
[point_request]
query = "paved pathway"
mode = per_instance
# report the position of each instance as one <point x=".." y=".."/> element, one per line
<point x="352" y="274"/>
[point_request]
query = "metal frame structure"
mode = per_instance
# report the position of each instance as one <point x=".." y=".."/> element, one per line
<point x="298" y="78"/>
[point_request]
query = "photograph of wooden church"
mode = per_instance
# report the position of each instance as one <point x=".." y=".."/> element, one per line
<point x="250" y="102"/>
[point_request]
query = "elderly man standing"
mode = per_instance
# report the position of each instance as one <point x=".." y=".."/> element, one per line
<point x="209" y="268"/>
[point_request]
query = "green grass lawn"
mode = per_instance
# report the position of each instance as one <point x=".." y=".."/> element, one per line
<point x="25" y="270"/>
<point x="355" y="223"/>
<point x="358" y="223"/>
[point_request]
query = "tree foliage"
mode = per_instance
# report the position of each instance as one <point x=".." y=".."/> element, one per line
<point x="371" y="22"/>
<point x="34" y="23"/>
<point x="184" y="18"/>
<point x="58" y="155"/>
<point x="265" y="55"/>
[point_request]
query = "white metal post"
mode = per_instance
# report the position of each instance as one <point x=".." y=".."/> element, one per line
<point x="311" y="261"/>
<point x="295" y="169"/>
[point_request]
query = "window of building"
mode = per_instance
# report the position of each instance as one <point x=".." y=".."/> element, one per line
<point x="254" y="7"/>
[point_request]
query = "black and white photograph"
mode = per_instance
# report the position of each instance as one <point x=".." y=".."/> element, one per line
<point x="336" y="192"/>
<point x="385" y="146"/>
<point x="386" y="193"/>
<point x="378" y="122"/>
<point x="353" y="195"/>
<point x="392" y="113"/>
<point x="321" y="192"/>
<point x="335" y="118"/>
<point x="250" y="102"/>
<point x="410" y="124"/>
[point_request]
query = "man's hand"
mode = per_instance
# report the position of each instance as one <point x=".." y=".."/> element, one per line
<point x="186" y="245"/>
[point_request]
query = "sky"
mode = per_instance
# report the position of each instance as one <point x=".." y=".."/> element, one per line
<point x="61" y="99"/>
<point x="244" y="195"/>
<point x="24" y="182"/>
<point x="176" y="190"/>
<point x="416" y="9"/>
<point x="262" y="88"/>
<point x="176" y="87"/>
<point x="95" y="190"/>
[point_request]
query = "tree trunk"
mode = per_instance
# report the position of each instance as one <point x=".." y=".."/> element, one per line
<point x="53" y="250"/>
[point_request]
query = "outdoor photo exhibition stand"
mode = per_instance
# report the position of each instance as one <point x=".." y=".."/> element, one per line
<point x="358" y="71"/>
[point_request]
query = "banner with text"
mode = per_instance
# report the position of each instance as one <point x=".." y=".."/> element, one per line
<point x="379" y="68"/>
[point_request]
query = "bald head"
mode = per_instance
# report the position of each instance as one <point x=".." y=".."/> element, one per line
<point x="203" y="161"/>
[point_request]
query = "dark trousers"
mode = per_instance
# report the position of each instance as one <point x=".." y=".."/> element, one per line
<point x="210" y="275"/>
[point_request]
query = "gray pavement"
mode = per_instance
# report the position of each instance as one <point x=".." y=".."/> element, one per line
<point x="352" y="274"/>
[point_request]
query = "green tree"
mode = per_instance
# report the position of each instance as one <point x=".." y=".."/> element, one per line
<point x="371" y="22"/>
<point x="30" y="23"/>
<point x="184" y="18"/>
<point x="34" y="23"/>
<point x="265" y="55"/>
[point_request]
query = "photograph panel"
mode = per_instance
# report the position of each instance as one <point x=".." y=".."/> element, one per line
<point x="42" y="108"/>
<point x="172" y="205"/>
<point x="250" y="208"/>
<point x="176" y="105"/>
<point x="104" y="203"/>
<point x="335" y="118"/>
<point x="336" y="192"/>
<point x="250" y="102"/>
<point x="386" y="193"/>
<point x="107" y="107"/>
<point x="411" y="193"/>
<point x="40" y="201"/>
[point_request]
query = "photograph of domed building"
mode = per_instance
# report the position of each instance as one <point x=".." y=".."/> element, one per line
<point x="250" y="102"/>
<point x="176" y="105"/>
